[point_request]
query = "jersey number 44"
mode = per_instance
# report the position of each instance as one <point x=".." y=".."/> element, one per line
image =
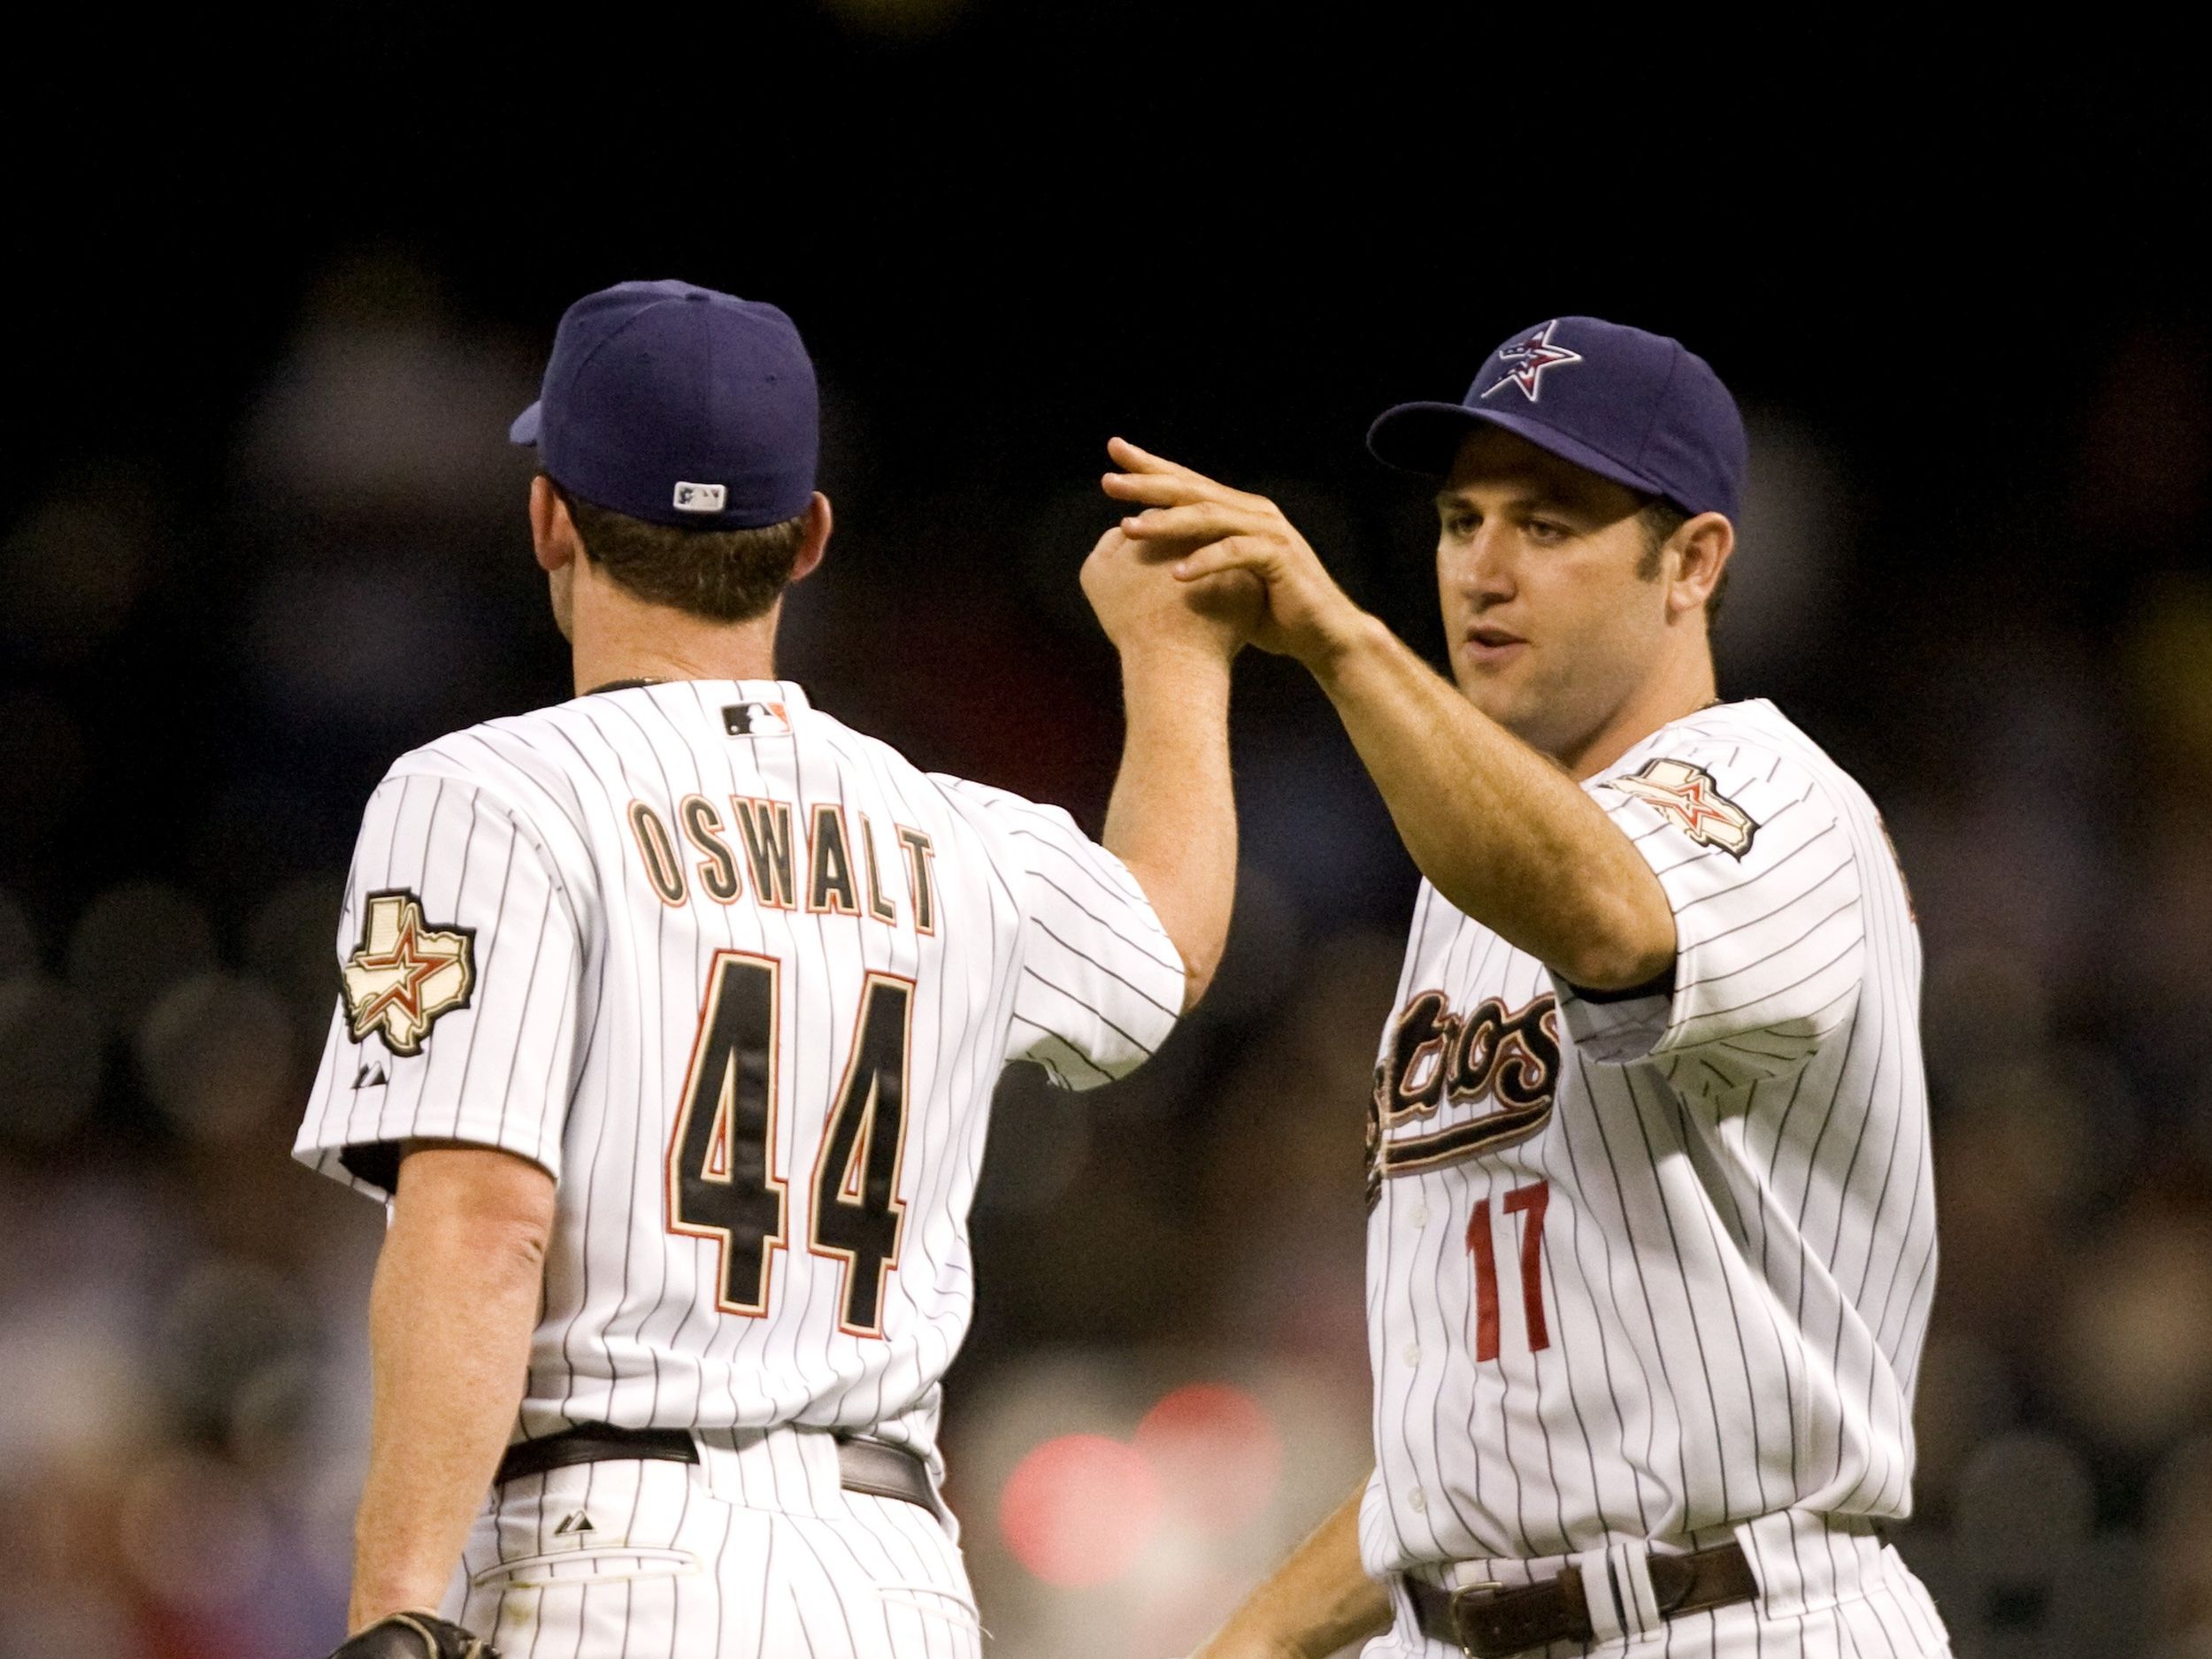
<point x="722" y="1183"/>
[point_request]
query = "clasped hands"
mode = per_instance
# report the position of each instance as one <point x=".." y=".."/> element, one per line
<point x="1201" y="568"/>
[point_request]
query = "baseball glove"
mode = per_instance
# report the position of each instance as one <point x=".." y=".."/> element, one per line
<point x="413" y="1636"/>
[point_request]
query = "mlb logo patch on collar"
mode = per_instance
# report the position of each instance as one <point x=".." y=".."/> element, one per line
<point x="1688" y="797"/>
<point x="756" y="719"/>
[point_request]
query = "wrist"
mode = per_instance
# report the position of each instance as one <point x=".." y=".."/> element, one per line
<point x="1331" y="650"/>
<point x="379" y="1594"/>
<point x="1187" y="667"/>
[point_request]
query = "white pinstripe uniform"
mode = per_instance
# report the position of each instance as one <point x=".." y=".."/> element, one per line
<point x="742" y="980"/>
<point x="1658" y="1267"/>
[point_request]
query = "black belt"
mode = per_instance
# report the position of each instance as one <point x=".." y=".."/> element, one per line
<point x="877" y="1468"/>
<point x="1489" y="1622"/>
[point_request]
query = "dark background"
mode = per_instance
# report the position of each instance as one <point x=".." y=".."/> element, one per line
<point x="275" y="297"/>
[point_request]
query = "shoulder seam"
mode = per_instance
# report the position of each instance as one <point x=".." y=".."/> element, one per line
<point x="508" y="808"/>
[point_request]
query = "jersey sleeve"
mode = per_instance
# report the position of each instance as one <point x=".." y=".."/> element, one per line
<point x="1757" y="863"/>
<point x="1101" y="984"/>
<point x="460" y="962"/>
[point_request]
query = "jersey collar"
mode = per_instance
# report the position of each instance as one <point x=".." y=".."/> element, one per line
<point x="786" y="692"/>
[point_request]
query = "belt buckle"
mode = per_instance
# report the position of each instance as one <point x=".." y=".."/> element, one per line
<point x="1460" y="1596"/>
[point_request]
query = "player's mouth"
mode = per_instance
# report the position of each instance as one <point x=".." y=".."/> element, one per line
<point x="1486" y="646"/>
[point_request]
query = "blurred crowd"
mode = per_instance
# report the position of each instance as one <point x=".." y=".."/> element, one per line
<point x="200" y="679"/>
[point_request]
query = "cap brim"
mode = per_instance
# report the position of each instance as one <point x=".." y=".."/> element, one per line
<point x="525" y="430"/>
<point x="1425" y="437"/>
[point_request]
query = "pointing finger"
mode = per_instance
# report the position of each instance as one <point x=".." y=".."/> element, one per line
<point x="1158" y="489"/>
<point x="1131" y="458"/>
<point x="1190" y="522"/>
<point x="1137" y="459"/>
<point x="1238" y="553"/>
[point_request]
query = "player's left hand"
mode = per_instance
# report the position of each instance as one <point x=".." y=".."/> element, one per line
<point x="413" y="1636"/>
<point x="1307" y="616"/>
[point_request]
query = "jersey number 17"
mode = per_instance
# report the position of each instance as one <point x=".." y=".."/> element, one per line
<point x="721" y="1179"/>
<point x="1529" y="1203"/>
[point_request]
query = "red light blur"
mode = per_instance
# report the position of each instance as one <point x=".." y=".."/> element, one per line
<point x="1078" y="1510"/>
<point x="1215" y="1453"/>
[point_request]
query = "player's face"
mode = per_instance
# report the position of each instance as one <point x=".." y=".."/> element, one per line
<point x="1551" y="626"/>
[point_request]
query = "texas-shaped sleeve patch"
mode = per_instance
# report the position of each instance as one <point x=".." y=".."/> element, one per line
<point x="1688" y="797"/>
<point x="405" y="973"/>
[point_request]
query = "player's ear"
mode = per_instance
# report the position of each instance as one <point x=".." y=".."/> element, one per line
<point x="814" y="539"/>
<point x="1697" y="552"/>
<point x="552" y="532"/>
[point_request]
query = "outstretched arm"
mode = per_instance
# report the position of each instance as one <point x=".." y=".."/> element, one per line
<point x="1501" y="832"/>
<point x="1319" y="1600"/>
<point x="450" y="1314"/>
<point x="1173" y="819"/>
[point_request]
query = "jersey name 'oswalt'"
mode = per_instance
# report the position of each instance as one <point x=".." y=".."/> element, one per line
<point x="780" y="868"/>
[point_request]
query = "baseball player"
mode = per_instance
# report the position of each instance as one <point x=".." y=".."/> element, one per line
<point x="670" y="1023"/>
<point x="1653" y="1238"/>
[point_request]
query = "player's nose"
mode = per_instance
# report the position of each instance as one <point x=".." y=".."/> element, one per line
<point x="1480" y="568"/>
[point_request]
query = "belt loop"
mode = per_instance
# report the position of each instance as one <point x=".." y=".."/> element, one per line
<point x="1616" y="1589"/>
<point x="1608" y="1620"/>
<point x="1631" y="1582"/>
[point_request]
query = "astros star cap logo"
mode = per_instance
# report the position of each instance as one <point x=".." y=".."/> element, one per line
<point x="405" y="973"/>
<point x="1530" y="359"/>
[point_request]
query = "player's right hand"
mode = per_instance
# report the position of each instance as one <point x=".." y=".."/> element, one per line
<point x="1144" y="610"/>
<point x="413" y="1636"/>
<point x="1211" y="530"/>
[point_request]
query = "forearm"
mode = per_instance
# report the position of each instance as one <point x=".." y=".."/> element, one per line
<point x="1319" y="1600"/>
<point x="450" y="1314"/>
<point x="1499" y="830"/>
<point x="1173" y="819"/>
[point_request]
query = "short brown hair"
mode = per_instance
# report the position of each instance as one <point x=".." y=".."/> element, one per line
<point x="723" y="575"/>
<point x="1659" y="519"/>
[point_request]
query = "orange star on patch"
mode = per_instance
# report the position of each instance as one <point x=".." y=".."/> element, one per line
<point x="406" y="974"/>
<point x="1688" y="798"/>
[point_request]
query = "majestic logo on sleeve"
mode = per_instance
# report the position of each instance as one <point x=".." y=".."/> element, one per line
<point x="1688" y="798"/>
<point x="1509" y="1056"/>
<point x="1529" y="360"/>
<point x="406" y="974"/>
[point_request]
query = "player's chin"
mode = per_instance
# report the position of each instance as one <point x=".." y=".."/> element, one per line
<point x="1497" y="685"/>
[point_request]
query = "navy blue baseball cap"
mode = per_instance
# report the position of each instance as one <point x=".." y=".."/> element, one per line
<point x="678" y="405"/>
<point x="1638" y="409"/>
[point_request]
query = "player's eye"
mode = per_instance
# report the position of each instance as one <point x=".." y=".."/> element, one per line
<point x="1546" y="530"/>
<point x="1460" y="525"/>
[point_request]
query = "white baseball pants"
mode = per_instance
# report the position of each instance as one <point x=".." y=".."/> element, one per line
<point x="755" y="1552"/>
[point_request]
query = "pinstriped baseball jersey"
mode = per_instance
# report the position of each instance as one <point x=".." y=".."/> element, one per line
<point x="1653" y="1264"/>
<point x="742" y="980"/>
